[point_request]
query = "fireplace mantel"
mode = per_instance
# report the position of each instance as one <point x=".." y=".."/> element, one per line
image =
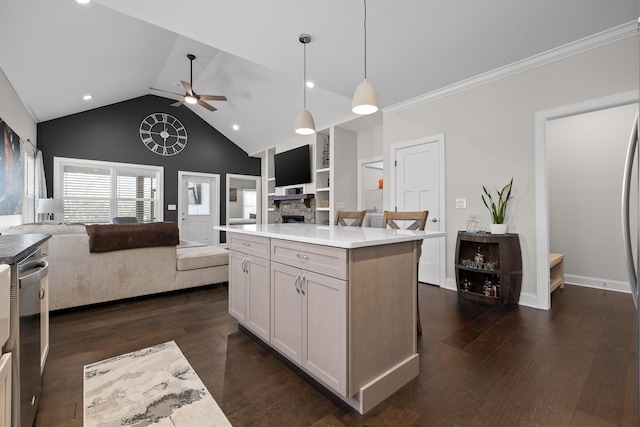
<point x="304" y="198"/>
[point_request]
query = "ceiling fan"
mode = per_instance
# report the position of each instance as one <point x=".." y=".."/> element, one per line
<point x="190" y="97"/>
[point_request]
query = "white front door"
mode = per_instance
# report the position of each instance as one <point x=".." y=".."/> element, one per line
<point x="419" y="185"/>
<point x="199" y="211"/>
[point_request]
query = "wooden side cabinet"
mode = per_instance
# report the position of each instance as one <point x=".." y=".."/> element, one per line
<point x="488" y="267"/>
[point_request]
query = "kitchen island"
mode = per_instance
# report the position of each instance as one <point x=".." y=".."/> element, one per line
<point x="339" y="302"/>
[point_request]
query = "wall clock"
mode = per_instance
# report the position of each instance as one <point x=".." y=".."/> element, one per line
<point x="163" y="134"/>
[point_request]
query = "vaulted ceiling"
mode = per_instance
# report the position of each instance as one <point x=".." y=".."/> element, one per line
<point x="54" y="52"/>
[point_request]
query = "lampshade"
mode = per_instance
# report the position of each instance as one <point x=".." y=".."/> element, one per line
<point x="304" y="123"/>
<point x="190" y="99"/>
<point x="50" y="206"/>
<point x="365" y="99"/>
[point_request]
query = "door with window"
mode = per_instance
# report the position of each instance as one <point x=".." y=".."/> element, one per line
<point x="199" y="207"/>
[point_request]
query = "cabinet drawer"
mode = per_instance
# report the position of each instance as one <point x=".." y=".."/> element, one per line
<point x="252" y="245"/>
<point x="320" y="259"/>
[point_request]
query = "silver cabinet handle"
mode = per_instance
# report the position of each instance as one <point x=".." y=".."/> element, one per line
<point x="434" y="219"/>
<point x="302" y="281"/>
<point x="246" y="243"/>
<point x="626" y="229"/>
<point x="297" y="284"/>
<point x="302" y="256"/>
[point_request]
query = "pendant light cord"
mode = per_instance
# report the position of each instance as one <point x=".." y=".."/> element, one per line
<point x="304" y="80"/>
<point x="365" y="39"/>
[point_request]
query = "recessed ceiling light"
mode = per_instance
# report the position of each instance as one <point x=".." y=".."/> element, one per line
<point x="236" y="127"/>
<point x="83" y="1"/>
<point x="310" y="85"/>
<point x="87" y="97"/>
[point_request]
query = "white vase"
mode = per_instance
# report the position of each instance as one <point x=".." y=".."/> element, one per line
<point x="498" y="228"/>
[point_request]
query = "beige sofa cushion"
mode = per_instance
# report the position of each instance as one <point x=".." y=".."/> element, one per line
<point x="201" y="257"/>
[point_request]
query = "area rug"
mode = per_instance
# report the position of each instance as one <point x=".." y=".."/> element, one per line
<point x="154" y="386"/>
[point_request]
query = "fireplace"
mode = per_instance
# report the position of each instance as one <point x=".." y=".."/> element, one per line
<point x="292" y="218"/>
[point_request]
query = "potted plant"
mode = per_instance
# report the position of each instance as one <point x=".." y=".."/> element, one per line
<point x="499" y="208"/>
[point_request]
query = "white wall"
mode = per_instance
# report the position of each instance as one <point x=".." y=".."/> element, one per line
<point x="586" y="156"/>
<point x="15" y="114"/>
<point x="489" y="134"/>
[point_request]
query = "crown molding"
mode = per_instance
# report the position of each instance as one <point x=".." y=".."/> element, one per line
<point x="591" y="42"/>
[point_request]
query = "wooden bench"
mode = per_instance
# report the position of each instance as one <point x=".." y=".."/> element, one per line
<point x="556" y="271"/>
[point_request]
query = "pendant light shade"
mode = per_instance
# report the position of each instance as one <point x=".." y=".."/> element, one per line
<point x="365" y="99"/>
<point x="304" y="121"/>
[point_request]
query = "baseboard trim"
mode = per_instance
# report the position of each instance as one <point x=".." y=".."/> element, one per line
<point x="597" y="283"/>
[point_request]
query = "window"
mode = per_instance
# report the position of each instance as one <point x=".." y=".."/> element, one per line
<point x="248" y="203"/>
<point x="29" y="196"/>
<point x="95" y="192"/>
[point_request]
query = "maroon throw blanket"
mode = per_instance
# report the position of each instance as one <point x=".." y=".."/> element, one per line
<point x="114" y="237"/>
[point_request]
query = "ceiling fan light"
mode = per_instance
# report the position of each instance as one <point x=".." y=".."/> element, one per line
<point x="190" y="99"/>
<point x="365" y="99"/>
<point x="304" y="123"/>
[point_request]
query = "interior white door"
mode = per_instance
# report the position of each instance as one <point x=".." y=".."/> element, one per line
<point x="419" y="186"/>
<point x="199" y="208"/>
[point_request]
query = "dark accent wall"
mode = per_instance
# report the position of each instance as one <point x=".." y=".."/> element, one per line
<point x="111" y="134"/>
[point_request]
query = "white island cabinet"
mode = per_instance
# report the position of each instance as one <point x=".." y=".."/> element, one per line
<point x="249" y="272"/>
<point x="341" y="302"/>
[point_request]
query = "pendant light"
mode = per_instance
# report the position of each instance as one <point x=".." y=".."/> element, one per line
<point x="365" y="100"/>
<point x="304" y="122"/>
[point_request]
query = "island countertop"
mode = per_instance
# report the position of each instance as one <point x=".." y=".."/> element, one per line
<point x="331" y="235"/>
<point x="14" y="248"/>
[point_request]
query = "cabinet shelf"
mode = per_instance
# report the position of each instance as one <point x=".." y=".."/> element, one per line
<point x="503" y="249"/>
<point x="485" y="271"/>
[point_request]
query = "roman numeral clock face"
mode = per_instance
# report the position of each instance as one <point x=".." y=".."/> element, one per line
<point x="163" y="134"/>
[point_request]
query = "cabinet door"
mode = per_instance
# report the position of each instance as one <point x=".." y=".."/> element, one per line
<point x="237" y="286"/>
<point x="258" y="292"/>
<point x="324" y="319"/>
<point x="286" y="311"/>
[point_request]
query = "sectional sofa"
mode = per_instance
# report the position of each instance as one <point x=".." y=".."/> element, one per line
<point x="79" y="277"/>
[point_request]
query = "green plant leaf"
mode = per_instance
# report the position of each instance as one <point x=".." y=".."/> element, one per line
<point x="498" y="211"/>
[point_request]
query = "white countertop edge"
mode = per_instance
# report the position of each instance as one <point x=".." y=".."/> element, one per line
<point x="334" y="236"/>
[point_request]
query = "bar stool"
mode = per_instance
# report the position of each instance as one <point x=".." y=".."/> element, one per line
<point x="354" y="218"/>
<point x="419" y="219"/>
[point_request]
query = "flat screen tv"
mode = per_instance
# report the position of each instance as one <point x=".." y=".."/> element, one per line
<point x="292" y="167"/>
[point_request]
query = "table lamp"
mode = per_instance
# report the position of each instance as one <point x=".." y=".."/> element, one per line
<point x="50" y="207"/>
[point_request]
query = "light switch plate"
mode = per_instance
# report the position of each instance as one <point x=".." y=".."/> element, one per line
<point x="461" y="203"/>
<point x="171" y="207"/>
<point x="339" y="205"/>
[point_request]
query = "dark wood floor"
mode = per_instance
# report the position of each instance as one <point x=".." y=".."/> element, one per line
<point x="571" y="366"/>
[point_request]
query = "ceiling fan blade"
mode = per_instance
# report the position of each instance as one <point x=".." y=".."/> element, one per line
<point x="213" y="97"/>
<point x="160" y="90"/>
<point x="187" y="87"/>
<point x="207" y="106"/>
<point x="177" y="104"/>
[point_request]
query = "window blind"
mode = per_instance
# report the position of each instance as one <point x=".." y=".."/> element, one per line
<point x="97" y="192"/>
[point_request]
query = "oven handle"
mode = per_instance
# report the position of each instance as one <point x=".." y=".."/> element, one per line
<point x="37" y="269"/>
